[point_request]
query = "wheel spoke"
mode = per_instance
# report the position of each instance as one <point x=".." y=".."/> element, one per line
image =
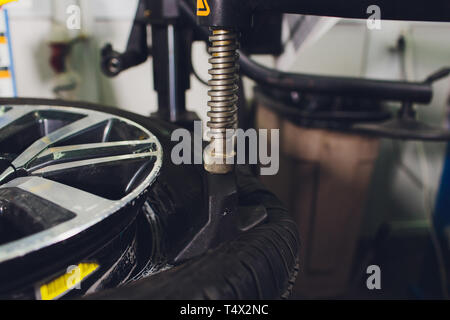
<point x="114" y="160"/>
<point x="89" y="209"/>
<point x="59" y="135"/>
<point x="63" y="154"/>
<point x="82" y="203"/>
<point x="13" y="115"/>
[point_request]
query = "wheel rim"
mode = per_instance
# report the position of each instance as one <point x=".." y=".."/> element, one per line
<point x="79" y="165"/>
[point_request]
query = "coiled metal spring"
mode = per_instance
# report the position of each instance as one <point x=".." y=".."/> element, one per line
<point x="223" y="96"/>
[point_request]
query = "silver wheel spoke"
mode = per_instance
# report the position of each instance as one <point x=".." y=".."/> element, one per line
<point x="65" y="132"/>
<point x="89" y="209"/>
<point x="13" y="115"/>
<point x="77" y="201"/>
<point x="63" y="167"/>
<point x="64" y="154"/>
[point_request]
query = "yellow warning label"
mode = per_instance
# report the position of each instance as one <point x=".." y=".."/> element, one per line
<point x="62" y="284"/>
<point x="2" y="2"/>
<point x="5" y="74"/>
<point x="202" y="8"/>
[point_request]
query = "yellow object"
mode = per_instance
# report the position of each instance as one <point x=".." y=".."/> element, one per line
<point x="203" y="8"/>
<point x="2" y="2"/>
<point x="5" y="74"/>
<point x="63" y="284"/>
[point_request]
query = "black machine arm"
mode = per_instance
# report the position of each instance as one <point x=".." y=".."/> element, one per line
<point x="170" y="54"/>
<point x="340" y="86"/>
<point x="238" y="13"/>
<point x="235" y="13"/>
<point x="137" y="50"/>
<point x="344" y="86"/>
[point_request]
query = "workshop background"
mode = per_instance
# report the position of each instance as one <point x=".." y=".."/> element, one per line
<point x="407" y="175"/>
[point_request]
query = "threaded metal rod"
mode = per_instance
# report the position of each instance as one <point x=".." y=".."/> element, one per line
<point x="223" y="99"/>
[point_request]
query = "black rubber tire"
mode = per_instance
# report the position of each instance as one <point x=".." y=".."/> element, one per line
<point x="261" y="263"/>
